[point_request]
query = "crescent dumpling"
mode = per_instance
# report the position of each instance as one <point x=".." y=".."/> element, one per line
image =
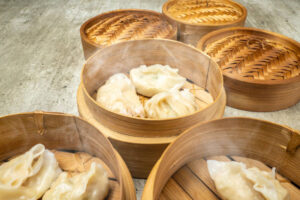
<point x="171" y="104"/>
<point x="91" y="185"/>
<point x="234" y="181"/>
<point x="118" y="95"/>
<point x="154" y="79"/>
<point x="29" y="175"/>
<point x="266" y="184"/>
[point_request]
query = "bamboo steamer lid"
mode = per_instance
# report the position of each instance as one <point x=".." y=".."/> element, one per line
<point x="123" y="25"/>
<point x="261" y="69"/>
<point x="140" y="141"/>
<point x="181" y="172"/>
<point x="195" y="18"/>
<point x="58" y="131"/>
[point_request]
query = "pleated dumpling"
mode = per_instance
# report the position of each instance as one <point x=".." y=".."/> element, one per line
<point x="91" y="185"/>
<point x="266" y="184"/>
<point x="154" y="79"/>
<point x="29" y="175"/>
<point x="171" y="104"/>
<point x="235" y="182"/>
<point x="118" y="95"/>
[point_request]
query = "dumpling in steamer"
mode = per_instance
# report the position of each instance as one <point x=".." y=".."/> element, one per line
<point x="29" y="175"/>
<point x="234" y="181"/>
<point x="154" y="79"/>
<point x="118" y="95"/>
<point x="91" y="185"/>
<point x="171" y="104"/>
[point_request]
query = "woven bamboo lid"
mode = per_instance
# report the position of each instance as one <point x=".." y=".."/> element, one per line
<point x="123" y="25"/>
<point x="264" y="63"/>
<point x="205" y="12"/>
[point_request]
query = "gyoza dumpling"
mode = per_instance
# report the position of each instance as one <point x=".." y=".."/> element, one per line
<point x="235" y="182"/>
<point x="118" y="94"/>
<point x="90" y="185"/>
<point x="266" y="184"/>
<point x="171" y="104"/>
<point x="28" y="176"/>
<point x="154" y="79"/>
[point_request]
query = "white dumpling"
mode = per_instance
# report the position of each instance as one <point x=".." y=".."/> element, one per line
<point x="29" y="175"/>
<point x="91" y="185"/>
<point x="171" y="104"/>
<point x="266" y="184"/>
<point x="154" y="79"/>
<point x="234" y="181"/>
<point x="118" y="95"/>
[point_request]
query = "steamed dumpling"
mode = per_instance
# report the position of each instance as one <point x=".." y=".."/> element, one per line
<point x="266" y="184"/>
<point x="118" y="95"/>
<point x="29" y="175"/>
<point x="91" y="185"/>
<point x="171" y="104"/>
<point x="154" y="79"/>
<point x="234" y="182"/>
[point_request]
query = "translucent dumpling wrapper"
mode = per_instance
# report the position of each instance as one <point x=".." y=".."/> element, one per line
<point x="154" y="79"/>
<point x="171" y="104"/>
<point x="28" y="176"/>
<point x="91" y="185"/>
<point x="266" y="184"/>
<point x="118" y="94"/>
<point x="234" y="181"/>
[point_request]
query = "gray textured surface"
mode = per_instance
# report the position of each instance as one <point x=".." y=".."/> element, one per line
<point x="41" y="55"/>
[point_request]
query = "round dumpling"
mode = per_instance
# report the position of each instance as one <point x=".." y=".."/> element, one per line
<point x="171" y="104"/>
<point x="154" y="79"/>
<point x="118" y="95"/>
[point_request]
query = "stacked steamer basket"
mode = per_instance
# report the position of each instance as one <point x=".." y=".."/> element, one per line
<point x="123" y="25"/>
<point x="141" y="141"/>
<point x="182" y="173"/>
<point x="261" y="69"/>
<point x="63" y="134"/>
<point x="195" y="18"/>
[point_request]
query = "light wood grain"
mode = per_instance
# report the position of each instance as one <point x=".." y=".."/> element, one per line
<point x="140" y="140"/>
<point x="60" y="131"/>
<point x="41" y="51"/>
<point x="185" y="159"/>
<point x="123" y="25"/>
<point x="196" y="18"/>
<point x="261" y="69"/>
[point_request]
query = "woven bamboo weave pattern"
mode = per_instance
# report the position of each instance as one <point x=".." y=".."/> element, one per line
<point x="128" y="26"/>
<point x="205" y="11"/>
<point x="255" y="57"/>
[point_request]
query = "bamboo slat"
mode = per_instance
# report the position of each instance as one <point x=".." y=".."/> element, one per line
<point x="195" y="18"/>
<point x="63" y="132"/>
<point x="261" y="69"/>
<point x="141" y="141"/>
<point x="182" y="169"/>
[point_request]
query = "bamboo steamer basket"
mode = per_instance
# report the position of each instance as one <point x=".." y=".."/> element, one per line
<point x="261" y="69"/>
<point x="58" y="131"/>
<point x="181" y="172"/>
<point x="195" y="18"/>
<point x="140" y="141"/>
<point x="123" y="25"/>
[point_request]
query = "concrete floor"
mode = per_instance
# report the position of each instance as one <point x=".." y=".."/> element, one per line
<point x="41" y="55"/>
